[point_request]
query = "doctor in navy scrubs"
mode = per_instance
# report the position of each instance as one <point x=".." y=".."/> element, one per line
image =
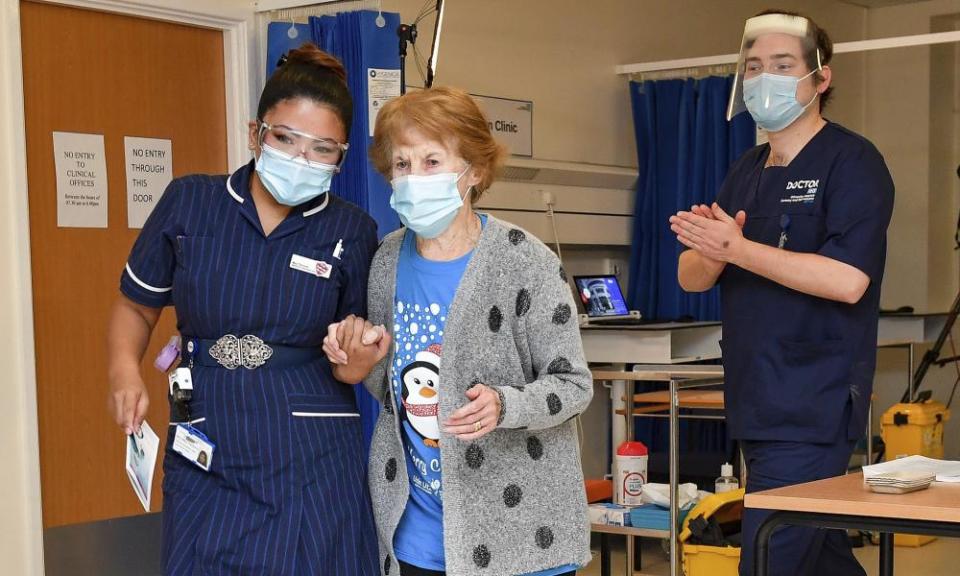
<point x="797" y="242"/>
<point x="264" y="469"/>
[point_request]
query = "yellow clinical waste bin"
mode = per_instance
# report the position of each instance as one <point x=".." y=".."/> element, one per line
<point x="914" y="429"/>
<point x="704" y="560"/>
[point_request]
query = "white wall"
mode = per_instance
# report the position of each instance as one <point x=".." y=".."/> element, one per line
<point x="913" y="117"/>
<point x="922" y="267"/>
<point x="561" y="54"/>
<point x="20" y="518"/>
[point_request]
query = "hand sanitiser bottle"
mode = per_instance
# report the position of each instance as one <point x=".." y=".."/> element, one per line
<point x="727" y="481"/>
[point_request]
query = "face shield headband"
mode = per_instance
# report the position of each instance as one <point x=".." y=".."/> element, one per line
<point x="796" y="26"/>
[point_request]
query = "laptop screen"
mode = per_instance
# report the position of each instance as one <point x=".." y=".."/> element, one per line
<point x="601" y="296"/>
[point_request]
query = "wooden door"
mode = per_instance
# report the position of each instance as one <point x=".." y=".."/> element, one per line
<point x="93" y="72"/>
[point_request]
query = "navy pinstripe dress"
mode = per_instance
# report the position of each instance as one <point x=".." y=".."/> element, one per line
<point x="286" y="493"/>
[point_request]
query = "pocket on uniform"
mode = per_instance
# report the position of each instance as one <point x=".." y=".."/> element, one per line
<point x="197" y="252"/>
<point x="317" y="280"/>
<point x="807" y="231"/>
<point x="318" y="406"/>
<point x="326" y="438"/>
<point x="806" y="381"/>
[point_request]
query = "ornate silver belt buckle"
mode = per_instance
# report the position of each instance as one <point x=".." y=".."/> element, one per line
<point x="249" y="351"/>
<point x="254" y="352"/>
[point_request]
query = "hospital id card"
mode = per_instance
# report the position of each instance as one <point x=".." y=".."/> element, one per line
<point x="142" y="448"/>
<point x="193" y="445"/>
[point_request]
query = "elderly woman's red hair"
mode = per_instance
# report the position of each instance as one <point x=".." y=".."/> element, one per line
<point x="449" y="116"/>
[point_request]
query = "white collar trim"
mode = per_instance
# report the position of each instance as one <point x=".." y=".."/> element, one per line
<point x="312" y="211"/>
<point x="230" y="189"/>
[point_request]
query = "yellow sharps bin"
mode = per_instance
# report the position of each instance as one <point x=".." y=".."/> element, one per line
<point x="703" y="560"/>
<point x="914" y="429"/>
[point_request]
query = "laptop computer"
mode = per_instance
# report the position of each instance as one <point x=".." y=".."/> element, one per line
<point x="602" y="300"/>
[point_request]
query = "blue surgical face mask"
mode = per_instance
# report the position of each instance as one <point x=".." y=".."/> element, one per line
<point x="772" y="100"/>
<point x="427" y="204"/>
<point x="292" y="181"/>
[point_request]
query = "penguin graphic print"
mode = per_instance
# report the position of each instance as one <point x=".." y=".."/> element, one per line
<point x="420" y="388"/>
<point x="418" y="330"/>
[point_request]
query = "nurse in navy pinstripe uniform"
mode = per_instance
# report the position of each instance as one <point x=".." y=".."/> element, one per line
<point x="268" y="254"/>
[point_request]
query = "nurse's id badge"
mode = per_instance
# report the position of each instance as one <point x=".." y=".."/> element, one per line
<point x="318" y="268"/>
<point x="193" y="445"/>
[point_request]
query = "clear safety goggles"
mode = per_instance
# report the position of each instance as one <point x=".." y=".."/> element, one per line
<point x="751" y="64"/>
<point x="294" y="143"/>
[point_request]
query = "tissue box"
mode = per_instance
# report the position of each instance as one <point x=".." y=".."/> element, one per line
<point x="655" y="517"/>
<point x="608" y="513"/>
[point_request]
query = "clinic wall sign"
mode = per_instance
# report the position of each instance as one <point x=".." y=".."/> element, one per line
<point x="511" y="122"/>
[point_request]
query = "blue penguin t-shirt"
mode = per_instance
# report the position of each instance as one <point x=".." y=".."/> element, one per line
<point x="425" y="289"/>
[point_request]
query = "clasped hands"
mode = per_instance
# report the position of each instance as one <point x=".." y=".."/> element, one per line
<point x="354" y="346"/>
<point x="710" y="231"/>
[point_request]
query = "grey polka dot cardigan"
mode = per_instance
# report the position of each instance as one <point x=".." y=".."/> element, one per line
<point x="513" y="500"/>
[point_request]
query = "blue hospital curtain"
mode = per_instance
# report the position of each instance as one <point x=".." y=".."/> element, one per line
<point x="361" y="45"/>
<point x="355" y="39"/>
<point x="684" y="148"/>
<point x="283" y="37"/>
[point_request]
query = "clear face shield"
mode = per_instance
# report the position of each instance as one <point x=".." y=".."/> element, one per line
<point x="774" y="44"/>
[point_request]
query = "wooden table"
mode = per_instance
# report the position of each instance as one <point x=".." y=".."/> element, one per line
<point x="844" y="502"/>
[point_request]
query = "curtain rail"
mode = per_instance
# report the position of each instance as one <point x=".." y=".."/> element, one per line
<point x="839" y="48"/>
<point x="695" y="72"/>
<point x="322" y="9"/>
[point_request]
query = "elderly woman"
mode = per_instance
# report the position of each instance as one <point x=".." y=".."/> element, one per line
<point x="474" y="467"/>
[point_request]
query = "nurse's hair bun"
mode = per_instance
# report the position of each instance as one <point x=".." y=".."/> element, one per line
<point x="308" y="54"/>
<point x="309" y="72"/>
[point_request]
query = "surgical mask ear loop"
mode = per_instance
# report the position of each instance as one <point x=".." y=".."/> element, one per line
<point x="816" y="94"/>
<point x="463" y="198"/>
<point x="819" y="68"/>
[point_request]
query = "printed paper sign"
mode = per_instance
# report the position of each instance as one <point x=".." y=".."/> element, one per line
<point x="149" y="164"/>
<point x="383" y="84"/>
<point x="81" y="180"/>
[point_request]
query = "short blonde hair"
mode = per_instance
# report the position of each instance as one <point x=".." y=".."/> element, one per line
<point x="447" y="115"/>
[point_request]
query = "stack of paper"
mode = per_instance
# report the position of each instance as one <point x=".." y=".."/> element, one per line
<point x="944" y="470"/>
<point x="899" y="481"/>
